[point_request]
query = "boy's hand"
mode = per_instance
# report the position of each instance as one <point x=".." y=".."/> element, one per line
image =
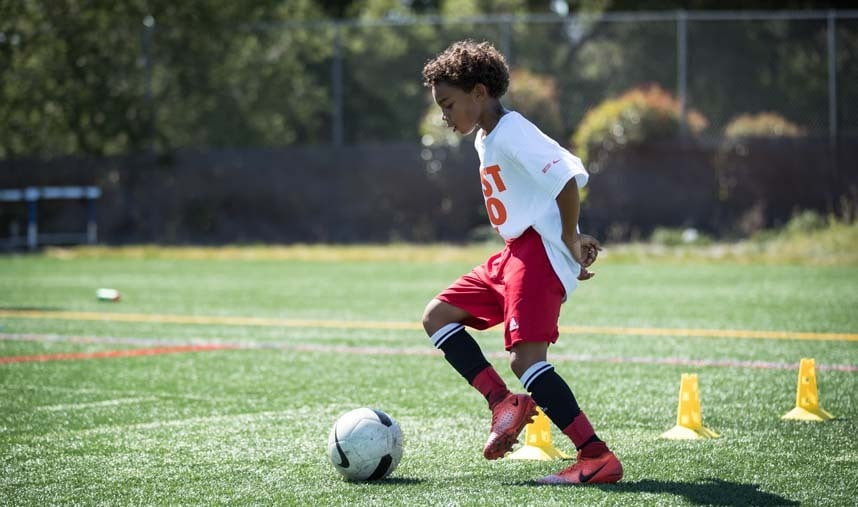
<point x="590" y="248"/>
<point x="585" y="249"/>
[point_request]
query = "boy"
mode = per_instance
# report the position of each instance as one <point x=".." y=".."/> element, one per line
<point x="530" y="185"/>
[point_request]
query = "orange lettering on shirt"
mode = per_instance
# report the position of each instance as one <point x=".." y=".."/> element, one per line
<point x="497" y="211"/>
<point x="494" y="172"/>
<point x="487" y="187"/>
<point x="494" y="206"/>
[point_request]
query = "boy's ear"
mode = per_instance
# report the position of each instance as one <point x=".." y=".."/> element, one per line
<point x="480" y="91"/>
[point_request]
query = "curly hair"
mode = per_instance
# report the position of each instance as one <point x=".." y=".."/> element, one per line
<point x="465" y="63"/>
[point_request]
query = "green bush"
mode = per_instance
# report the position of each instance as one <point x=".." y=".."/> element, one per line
<point x="768" y="124"/>
<point x="806" y="221"/>
<point x="675" y="237"/>
<point x="535" y="97"/>
<point x="639" y="116"/>
<point x="760" y="180"/>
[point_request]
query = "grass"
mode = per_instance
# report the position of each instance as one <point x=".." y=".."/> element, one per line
<point x="807" y="240"/>
<point x="249" y="425"/>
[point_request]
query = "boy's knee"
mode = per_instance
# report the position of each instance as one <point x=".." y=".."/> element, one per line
<point x="432" y="317"/>
<point x="518" y="365"/>
<point x="525" y="354"/>
<point x="438" y="314"/>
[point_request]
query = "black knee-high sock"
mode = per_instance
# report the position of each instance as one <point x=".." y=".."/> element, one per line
<point x="553" y="394"/>
<point x="461" y="350"/>
<point x="464" y="354"/>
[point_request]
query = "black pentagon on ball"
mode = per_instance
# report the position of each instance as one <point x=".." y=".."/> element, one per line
<point x="385" y="420"/>
<point x="381" y="470"/>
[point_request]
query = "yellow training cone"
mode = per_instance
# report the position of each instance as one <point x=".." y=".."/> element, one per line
<point x="807" y="397"/>
<point x="689" y="422"/>
<point x="537" y="441"/>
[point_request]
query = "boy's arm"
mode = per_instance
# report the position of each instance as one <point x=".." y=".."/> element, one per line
<point x="584" y="248"/>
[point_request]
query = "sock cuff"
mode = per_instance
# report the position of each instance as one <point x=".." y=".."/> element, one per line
<point x="446" y="331"/>
<point x="580" y="431"/>
<point x="532" y="373"/>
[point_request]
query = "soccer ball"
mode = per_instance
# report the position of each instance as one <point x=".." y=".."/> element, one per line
<point x="365" y="445"/>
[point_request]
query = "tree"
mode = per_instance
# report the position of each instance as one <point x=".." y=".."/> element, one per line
<point x="70" y="80"/>
<point x="90" y="78"/>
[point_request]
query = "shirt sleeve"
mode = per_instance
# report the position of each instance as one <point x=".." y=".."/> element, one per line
<point x="549" y="164"/>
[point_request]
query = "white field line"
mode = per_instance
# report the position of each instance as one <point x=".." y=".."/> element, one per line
<point x="426" y="351"/>
<point x="234" y="420"/>
<point x="95" y="404"/>
<point x="103" y="392"/>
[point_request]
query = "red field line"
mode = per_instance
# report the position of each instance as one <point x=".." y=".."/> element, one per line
<point x="113" y="353"/>
<point x="373" y="351"/>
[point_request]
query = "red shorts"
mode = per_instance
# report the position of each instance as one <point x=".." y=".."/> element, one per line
<point x="516" y="286"/>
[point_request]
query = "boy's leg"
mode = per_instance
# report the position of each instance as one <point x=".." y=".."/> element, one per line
<point x="510" y="412"/>
<point x="533" y="298"/>
<point x="464" y="355"/>
<point x="553" y="394"/>
<point x="595" y="462"/>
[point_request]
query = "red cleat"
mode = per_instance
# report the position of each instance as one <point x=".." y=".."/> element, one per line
<point x="509" y="417"/>
<point x="604" y="469"/>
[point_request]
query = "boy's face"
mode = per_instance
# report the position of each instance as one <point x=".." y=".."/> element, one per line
<point x="461" y="109"/>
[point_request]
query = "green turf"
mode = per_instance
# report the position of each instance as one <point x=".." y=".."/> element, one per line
<point x="249" y="426"/>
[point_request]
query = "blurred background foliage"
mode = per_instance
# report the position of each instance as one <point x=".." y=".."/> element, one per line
<point x="647" y="114"/>
<point x="100" y="78"/>
<point x="220" y="121"/>
<point x="765" y="124"/>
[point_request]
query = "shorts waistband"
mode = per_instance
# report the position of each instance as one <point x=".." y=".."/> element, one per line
<point x="528" y="233"/>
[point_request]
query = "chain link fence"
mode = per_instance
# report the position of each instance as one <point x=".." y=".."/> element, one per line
<point x="801" y="65"/>
<point x="247" y="137"/>
<point x="352" y="82"/>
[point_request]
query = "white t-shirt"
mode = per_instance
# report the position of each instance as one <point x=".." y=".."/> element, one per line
<point x="522" y="171"/>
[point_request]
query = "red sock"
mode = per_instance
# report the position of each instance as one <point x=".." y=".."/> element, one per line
<point x="489" y="383"/>
<point x="580" y="431"/>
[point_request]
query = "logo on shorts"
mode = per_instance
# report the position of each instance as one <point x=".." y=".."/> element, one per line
<point x="513" y="324"/>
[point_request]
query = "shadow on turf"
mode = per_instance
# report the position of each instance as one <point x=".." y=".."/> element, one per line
<point x="702" y="492"/>
<point x="397" y="481"/>
<point x="705" y="491"/>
